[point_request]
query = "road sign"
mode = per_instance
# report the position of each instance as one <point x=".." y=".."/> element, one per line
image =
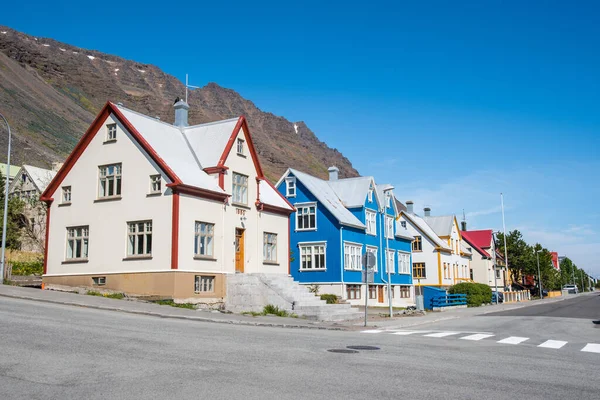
<point x="369" y="275"/>
<point x="368" y="260"/>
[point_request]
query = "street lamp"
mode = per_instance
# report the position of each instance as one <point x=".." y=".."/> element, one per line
<point x="494" y="261"/>
<point x="5" y="204"/>
<point x="537" y="254"/>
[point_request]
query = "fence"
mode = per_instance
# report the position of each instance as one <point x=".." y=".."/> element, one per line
<point x="514" y="297"/>
<point x="449" y="300"/>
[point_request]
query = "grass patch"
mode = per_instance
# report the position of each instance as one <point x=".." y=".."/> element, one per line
<point x="93" y="293"/>
<point x="270" y="309"/>
<point x="253" y="313"/>
<point x="171" y="303"/>
<point x="114" y="295"/>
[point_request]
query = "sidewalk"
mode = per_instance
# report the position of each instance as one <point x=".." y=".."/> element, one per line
<point x="156" y="310"/>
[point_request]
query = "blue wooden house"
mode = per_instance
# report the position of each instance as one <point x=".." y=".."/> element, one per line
<point x="335" y="222"/>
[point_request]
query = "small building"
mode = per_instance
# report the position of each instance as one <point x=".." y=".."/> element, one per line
<point x="149" y="208"/>
<point x="13" y="171"/>
<point x="485" y="256"/>
<point x="337" y="221"/>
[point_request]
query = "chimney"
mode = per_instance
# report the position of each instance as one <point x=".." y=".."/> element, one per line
<point x="427" y="211"/>
<point x="463" y="226"/>
<point x="409" y="207"/>
<point x="181" y="113"/>
<point x="333" y="173"/>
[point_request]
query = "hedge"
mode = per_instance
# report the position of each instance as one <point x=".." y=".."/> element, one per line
<point x="27" y="267"/>
<point x="329" y="298"/>
<point x="477" y="293"/>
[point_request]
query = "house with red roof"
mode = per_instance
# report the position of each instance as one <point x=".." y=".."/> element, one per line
<point x="485" y="255"/>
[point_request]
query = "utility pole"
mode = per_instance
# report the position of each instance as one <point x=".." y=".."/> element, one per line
<point x="582" y="286"/>
<point x="504" y="228"/>
<point x="495" y="268"/>
<point x="537" y="253"/>
<point x="4" y="217"/>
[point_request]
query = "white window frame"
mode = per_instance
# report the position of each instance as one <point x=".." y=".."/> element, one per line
<point x="371" y="222"/>
<point x="66" y="195"/>
<point x="370" y="195"/>
<point x="239" y="188"/>
<point x="269" y="247"/>
<point x="240" y="146"/>
<point x="403" y="262"/>
<point x="311" y="247"/>
<point x="390" y="261"/>
<point x="375" y="251"/>
<point x="353" y="256"/>
<point x="204" y="284"/>
<point x="204" y="239"/>
<point x="155" y="184"/>
<point x="79" y="236"/>
<point x="389" y="227"/>
<point x="136" y="235"/>
<point x="111" y="132"/>
<point x="299" y="214"/>
<point x="290" y="187"/>
<point x="113" y="179"/>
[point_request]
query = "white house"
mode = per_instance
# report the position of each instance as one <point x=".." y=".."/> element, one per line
<point x="481" y="242"/>
<point x="439" y="257"/>
<point x="149" y="208"/>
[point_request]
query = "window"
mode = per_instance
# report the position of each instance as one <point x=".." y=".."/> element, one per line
<point x="204" y="284"/>
<point x="203" y="239"/>
<point x="498" y="273"/>
<point x="352" y="256"/>
<point x="417" y="244"/>
<point x="353" y="292"/>
<point x="99" y="280"/>
<point x="404" y="292"/>
<point x="24" y="178"/>
<point x="111" y="132"/>
<point x="445" y="270"/>
<point x="373" y="250"/>
<point x="370" y="196"/>
<point x="240" y="147"/>
<point x="403" y="224"/>
<point x="312" y="257"/>
<point x="270" y="247"/>
<point x="290" y="187"/>
<point x="403" y="263"/>
<point x="388" y="198"/>
<point x="306" y="217"/>
<point x="389" y="265"/>
<point x="471" y="273"/>
<point x="240" y="189"/>
<point x="419" y="271"/>
<point x="371" y="218"/>
<point x="372" y="292"/>
<point x="139" y="238"/>
<point x="155" y="184"/>
<point x="389" y="227"/>
<point x="78" y="242"/>
<point x="66" y="194"/>
<point x="110" y="181"/>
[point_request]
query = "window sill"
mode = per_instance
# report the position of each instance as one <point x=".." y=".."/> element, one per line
<point x="109" y="141"/>
<point x="270" y="263"/>
<point x="290" y="196"/>
<point x="205" y="258"/>
<point x="240" y="205"/>
<point x="137" y="258"/>
<point x="104" y="199"/>
<point x="371" y="234"/>
<point x="306" y="230"/>
<point x="64" y="204"/>
<point x="417" y="251"/>
<point x="242" y="155"/>
<point x="76" y="261"/>
<point x="154" y="194"/>
<point x="205" y="293"/>
<point x="314" y="270"/>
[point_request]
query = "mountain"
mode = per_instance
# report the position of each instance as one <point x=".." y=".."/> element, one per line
<point x="51" y="91"/>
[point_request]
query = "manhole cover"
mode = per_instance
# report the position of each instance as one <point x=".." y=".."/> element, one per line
<point x="363" y="347"/>
<point x="346" y="351"/>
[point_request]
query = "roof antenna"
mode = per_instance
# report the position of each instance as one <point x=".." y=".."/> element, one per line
<point x="187" y="86"/>
<point x="464" y="217"/>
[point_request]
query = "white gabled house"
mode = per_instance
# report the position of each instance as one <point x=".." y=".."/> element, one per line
<point x="149" y="208"/>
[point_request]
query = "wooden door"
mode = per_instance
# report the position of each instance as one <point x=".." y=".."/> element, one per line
<point x="239" y="250"/>
<point x="380" y="294"/>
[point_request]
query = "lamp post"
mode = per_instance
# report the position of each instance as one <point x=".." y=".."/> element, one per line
<point x="5" y="204"/>
<point x="537" y="254"/>
<point x="494" y="261"/>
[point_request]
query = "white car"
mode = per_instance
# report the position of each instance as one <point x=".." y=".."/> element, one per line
<point x="571" y="289"/>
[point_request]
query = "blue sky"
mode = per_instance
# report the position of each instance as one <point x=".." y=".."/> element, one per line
<point x="452" y="102"/>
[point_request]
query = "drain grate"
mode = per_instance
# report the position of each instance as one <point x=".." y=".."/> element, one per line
<point x="363" y="347"/>
<point x="345" y="351"/>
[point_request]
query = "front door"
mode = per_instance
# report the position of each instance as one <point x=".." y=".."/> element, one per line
<point x="380" y="294"/>
<point x="239" y="250"/>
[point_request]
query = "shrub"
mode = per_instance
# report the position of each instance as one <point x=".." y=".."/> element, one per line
<point x="329" y="298"/>
<point x="477" y="293"/>
<point x="25" y="268"/>
<point x="271" y="309"/>
<point x="314" y="289"/>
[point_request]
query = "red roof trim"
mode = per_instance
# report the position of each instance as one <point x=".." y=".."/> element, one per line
<point x="280" y="195"/>
<point x="197" y="192"/>
<point x="87" y="138"/>
<point x="468" y="239"/>
<point x="273" y="209"/>
<point x="215" y="170"/>
<point x="242" y="124"/>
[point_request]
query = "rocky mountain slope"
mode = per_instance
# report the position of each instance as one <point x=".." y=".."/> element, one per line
<point x="51" y="91"/>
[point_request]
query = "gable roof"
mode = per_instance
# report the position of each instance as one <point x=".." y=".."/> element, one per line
<point x="481" y="238"/>
<point x="425" y="229"/>
<point x="14" y="170"/>
<point x="40" y="177"/>
<point x="442" y="225"/>
<point x="352" y="191"/>
<point x="466" y="235"/>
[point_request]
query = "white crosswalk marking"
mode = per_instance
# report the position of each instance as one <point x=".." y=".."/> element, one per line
<point x="592" y="348"/>
<point x="404" y="333"/>
<point x="553" y="344"/>
<point x="442" y="334"/>
<point x="513" y="340"/>
<point x="477" y="336"/>
<point x="372" y="331"/>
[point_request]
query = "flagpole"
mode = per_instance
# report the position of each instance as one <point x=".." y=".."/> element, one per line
<point x="504" y="228"/>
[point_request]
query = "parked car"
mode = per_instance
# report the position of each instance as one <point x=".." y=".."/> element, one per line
<point x="500" y="297"/>
<point x="571" y="289"/>
<point x="536" y="292"/>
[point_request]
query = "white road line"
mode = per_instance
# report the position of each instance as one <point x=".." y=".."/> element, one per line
<point x="477" y="336"/>
<point x="513" y="340"/>
<point x="442" y="334"/>
<point x="404" y="333"/>
<point x="553" y="344"/>
<point x="372" y="331"/>
<point x="592" y="348"/>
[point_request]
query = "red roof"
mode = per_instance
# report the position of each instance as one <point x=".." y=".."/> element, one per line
<point x="480" y="240"/>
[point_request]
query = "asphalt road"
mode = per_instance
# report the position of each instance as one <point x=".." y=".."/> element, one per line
<point x="60" y="352"/>
<point x="585" y="306"/>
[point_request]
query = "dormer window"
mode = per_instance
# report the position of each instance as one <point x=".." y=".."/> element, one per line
<point x="290" y="187"/>
<point x="370" y="196"/>
<point x="240" y="147"/>
<point x="403" y="224"/>
<point x="111" y="132"/>
<point x="24" y="178"/>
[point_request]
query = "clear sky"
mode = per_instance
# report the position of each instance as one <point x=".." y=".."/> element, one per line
<point x="452" y="102"/>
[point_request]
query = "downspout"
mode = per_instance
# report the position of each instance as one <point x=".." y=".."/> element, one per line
<point x="342" y="262"/>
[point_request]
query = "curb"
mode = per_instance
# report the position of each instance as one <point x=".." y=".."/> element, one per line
<point x="181" y="317"/>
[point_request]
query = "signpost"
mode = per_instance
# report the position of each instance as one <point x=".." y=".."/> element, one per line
<point x="368" y="262"/>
